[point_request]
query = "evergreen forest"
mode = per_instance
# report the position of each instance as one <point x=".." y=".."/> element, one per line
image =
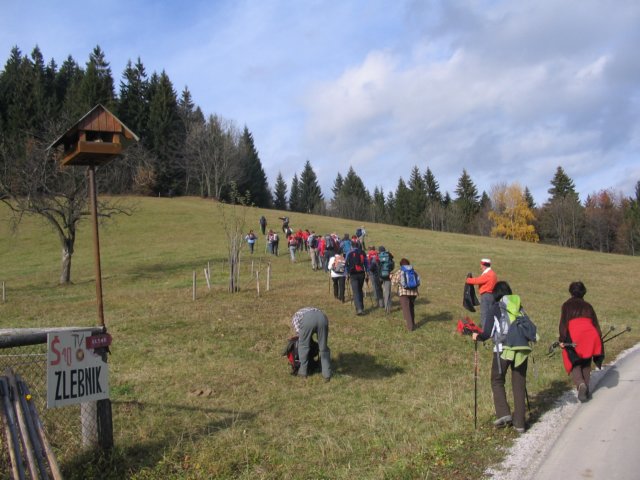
<point x="185" y="151"/>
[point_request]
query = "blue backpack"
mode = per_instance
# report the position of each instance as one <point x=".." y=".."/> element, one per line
<point x="409" y="278"/>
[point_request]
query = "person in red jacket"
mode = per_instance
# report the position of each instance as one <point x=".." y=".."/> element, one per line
<point x="486" y="283"/>
<point x="579" y="327"/>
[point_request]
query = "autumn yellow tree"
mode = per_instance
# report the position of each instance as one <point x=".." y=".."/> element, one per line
<point x="511" y="214"/>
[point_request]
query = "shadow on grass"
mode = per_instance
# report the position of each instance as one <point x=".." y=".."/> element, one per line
<point x="438" y="317"/>
<point x="125" y="462"/>
<point x="363" y="365"/>
<point x="545" y="399"/>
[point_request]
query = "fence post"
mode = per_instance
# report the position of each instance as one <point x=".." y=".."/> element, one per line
<point x="206" y="277"/>
<point x="194" y="285"/>
<point x="258" y="282"/>
<point x="4" y="298"/>
<point x="268" y="275"/>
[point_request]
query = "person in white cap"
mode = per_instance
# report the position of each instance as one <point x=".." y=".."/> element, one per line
<point x="486" y="283"/>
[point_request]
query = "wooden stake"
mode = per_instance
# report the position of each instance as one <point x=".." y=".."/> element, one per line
<point x="258" y="282"/>
<point x="194" y="285"/>
<point x="4" y="298"/>
<point x="268" y="275"/>
<point x="206" y="277"/>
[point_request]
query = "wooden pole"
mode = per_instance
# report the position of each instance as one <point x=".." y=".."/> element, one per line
<point x="194" y="285"/>
<point x="4" y="298"/>
<point x="206" y="277"/>
<point x="11" y="430"/>
<point x="258" y="282"/>
<point x="268" y="275"/>
<point x="93" y="199"/>
<point x="51" y="458"/>
<point x="22" y="425"/>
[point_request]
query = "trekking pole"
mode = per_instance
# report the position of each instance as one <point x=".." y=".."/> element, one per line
<point x="369" y="292"/>
<point x="611" y="329"/>
<point x="475" y="385"/>
<point x="628" y="329"/>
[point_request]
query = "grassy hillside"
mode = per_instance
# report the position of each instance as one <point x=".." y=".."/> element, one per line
<point x="400" y="404"/>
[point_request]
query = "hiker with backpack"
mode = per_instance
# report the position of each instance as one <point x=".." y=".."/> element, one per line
<point x="263" y="224"/>
<point x="408" y="281"/>
<point x="285" y="225"/>
<point x="251" y="240"/>
<point x="374" y="275"/>
<point x="338" y="269"/>
<point x="360" y="233"/>
<point x="331" y="246"/>
<point x="486" y="282"/>
<point x="292" y="243"/>
<point x="345" y="244"/>
<point x="313" y="241"/>
<point x="386" y="266"/>
<point x="306" y="322"/>
<point x="511" y="331"/>
<point x="580" y="339"/>
<point x="357" y="268"/>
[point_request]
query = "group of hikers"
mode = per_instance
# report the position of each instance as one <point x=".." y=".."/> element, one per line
<point x="505" y="322"/>
<point x="352" y="266"/>
<point x="502" y="316"/>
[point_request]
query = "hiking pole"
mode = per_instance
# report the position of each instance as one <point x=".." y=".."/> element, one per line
<point x="475" y="385"/>
<point x="611" y="329"/>
<point x="628" y="329"/>
<point x="369" y="291"/>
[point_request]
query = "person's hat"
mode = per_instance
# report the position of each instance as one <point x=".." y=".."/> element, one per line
<point x="486" y="261"/>
<point x="382" y="249"/>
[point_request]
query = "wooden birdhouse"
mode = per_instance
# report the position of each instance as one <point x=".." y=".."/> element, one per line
<point x="96" y="139"/>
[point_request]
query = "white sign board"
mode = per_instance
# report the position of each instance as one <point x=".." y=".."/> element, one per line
<point x="75" y="373"/>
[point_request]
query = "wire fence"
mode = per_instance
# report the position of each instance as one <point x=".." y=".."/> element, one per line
<point x="66" y="427"/>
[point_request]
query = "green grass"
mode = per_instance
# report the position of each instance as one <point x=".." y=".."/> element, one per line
<point x="400" y="404"/>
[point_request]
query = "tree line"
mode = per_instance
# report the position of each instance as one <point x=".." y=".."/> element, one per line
<point x="184" y="152"/>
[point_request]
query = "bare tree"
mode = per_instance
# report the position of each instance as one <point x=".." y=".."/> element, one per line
<point x="35" y="184"/>
<point x="234" y="222"/>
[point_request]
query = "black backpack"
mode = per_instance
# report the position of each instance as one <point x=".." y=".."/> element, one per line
<point x="356" y="261"/>
<point x="291" y="352"/>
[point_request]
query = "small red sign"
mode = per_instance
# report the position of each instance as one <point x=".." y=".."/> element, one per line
<point x="97" y="341"/>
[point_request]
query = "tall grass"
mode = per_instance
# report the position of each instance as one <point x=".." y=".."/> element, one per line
<point x="400" y="404"/>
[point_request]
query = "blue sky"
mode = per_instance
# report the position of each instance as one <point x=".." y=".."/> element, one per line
<point x="507" y="90"/>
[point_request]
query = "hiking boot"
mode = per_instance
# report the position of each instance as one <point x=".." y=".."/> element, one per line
<point x="583" y="393"/>
<point x="502" y="421"/>
<point x="520" y="430"/>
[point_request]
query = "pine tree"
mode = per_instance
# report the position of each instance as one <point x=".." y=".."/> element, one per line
<point x="402" y="210"/>
<point x="434" y="211"/>
<point x="353" y="200"/>
<point x="294" y="194"/>
<point x="166" y="135"/>
<point x="418" y="194"/>
<point x="280" y="193"/>
<point x="529" y="198"/>
<point x="466" y="202"/>
<point x="310" y="193"/>
<point x="561" y="185"/>
<point x="379" y="210"/>
<point x="97" y="84"/>
<point x="337" y="185"/>
<point x="68" y="85"/>
<point x="562" y="217"/>
<point x="133" y="107"/>
<point x="252" y="176"/>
